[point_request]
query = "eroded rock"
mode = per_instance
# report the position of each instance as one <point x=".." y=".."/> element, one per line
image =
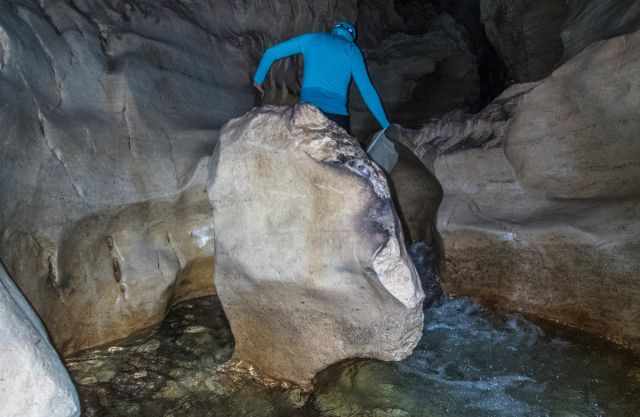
<point x="33" y="381"/>
<point x="541" y="209"/>
<point x="311" y="266"/>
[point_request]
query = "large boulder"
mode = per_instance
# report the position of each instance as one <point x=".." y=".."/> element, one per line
<point x="110" y="112"/>
<point x="33" y="381"/>
<point x="311" y="266"/>
<point x="541" y="208"/>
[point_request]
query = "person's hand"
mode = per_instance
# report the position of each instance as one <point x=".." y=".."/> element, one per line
<point x="260" y="89"/>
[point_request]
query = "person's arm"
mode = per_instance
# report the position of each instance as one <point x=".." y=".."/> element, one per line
<point x="367" y="91"/>
<point x="282" y="50"/>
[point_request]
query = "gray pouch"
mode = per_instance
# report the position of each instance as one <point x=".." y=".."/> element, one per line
<point x="383" y="152"/>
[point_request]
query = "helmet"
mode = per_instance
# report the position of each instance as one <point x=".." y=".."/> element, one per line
<point x="346" y="27"/>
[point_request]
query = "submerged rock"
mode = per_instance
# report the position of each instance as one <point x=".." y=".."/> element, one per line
<point x="311" y="266"/>
<point x="33" y="381"/>
<point x="175" y="372"/>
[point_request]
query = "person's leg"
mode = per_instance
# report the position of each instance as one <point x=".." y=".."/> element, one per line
<point x="341" y="120"/>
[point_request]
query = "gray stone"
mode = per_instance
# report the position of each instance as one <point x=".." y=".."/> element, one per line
<point x="33" y="381"/>
<point x="311" y="266"/>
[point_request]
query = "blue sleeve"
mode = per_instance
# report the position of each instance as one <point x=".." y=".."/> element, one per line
<point x="367" y="91"/>
<point x="282" y="50"/>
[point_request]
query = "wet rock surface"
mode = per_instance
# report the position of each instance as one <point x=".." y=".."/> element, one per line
<point x="311" y="263"/>
<point x="470" y="362"/>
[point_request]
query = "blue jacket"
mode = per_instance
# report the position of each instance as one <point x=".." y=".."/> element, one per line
<point x="330" y="61"/>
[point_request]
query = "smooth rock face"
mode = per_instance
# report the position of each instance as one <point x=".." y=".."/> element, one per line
<point x="535" y="37"/>
<point x="122" y="268"/>
<point x="110" y="112"/>
<point x="33" y="381"/>
<point x="587" y="146"/>
<point x="311" y="266"/>
<point x="541" y="209"/>
<point x="593" y="20"/>
<point x="526" y="34"/>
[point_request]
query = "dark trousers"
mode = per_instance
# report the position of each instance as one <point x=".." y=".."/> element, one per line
<point x="341" y="120"/>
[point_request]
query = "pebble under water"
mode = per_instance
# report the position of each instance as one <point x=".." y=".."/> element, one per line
<point x="470" y="363"/>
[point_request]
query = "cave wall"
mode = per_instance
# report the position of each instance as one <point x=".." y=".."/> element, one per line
<point x="541" y="207"/>
<point x="426" y="58"/>
<point x="110" y="111"/>
<point x="534" y="37"/>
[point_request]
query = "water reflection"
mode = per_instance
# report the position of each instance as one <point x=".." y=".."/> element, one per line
<point x="470" y="363"/>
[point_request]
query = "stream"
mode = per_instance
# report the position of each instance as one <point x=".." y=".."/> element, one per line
<point x="471" y="362"/>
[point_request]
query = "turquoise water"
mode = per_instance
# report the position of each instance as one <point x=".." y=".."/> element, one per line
<point x="475" y="363"/>
<point x="470" y="363"/>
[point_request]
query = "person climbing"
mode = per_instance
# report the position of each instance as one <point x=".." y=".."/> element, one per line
<point x="331" y="60"/>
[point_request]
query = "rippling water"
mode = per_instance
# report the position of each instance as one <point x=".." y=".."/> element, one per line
<point x="474" y="363"/>
<point x="470" y="363"/>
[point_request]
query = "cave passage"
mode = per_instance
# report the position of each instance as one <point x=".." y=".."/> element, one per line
<point x="176" y="230"/>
